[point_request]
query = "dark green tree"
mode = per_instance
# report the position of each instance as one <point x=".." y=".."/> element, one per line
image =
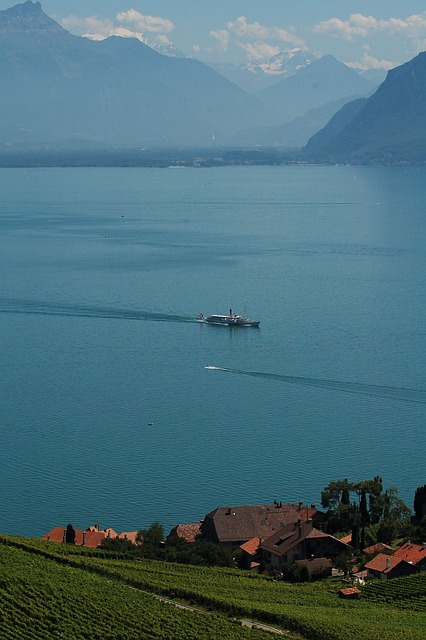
<point x="420" y="502"/>
<point x="398" y="510"/>
<point x="356" y="524"/>
<point x="335" y="493"/>
<point x="343" y="562"/>
<point x="153" y="536"/>
<point x="304" y="574"/>
<point x="375" y="492"/>
<point x="387" y="531"/>
<point x="363" y="509"/>
<point x="119" y="545"/>
<point x="70" y="534"/>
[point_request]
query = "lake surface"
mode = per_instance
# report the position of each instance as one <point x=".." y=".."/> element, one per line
<point x="103" y="275"/>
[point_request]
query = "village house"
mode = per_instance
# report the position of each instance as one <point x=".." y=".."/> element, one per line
<point x="90" y="537"/>
<point x="186" y="532"/>
<point x="386" y="567"/>
<point x="251" y="554"/>
<point x="231" y="527"/>
<point x="379" y="547"/>
<point x="299" y="541"/>
<point x="413" y="553"/>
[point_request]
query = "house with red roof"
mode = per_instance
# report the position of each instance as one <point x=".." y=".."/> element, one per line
<point x="379" y="547"/>
<point x="251" y="558"/>
<point x="386" y="567"/>
<point x="413" y="553"/>
<point x="90" y="537"/>
<point x="231" y="527"/>
<point x="299" y="541"/>
<point x="187" y="532"/>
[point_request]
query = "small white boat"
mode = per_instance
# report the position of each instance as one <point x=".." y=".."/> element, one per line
<point x="231" y="320"/>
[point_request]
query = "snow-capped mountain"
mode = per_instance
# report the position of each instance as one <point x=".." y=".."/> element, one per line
<point x="255" y="76"/>
<point x="166" y="49"/>
<point x="283" y="64"/>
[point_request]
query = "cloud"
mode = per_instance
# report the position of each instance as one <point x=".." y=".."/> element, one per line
<point x="222" y="38"/>
<point x="127" y="24"/>
<point x="288" y="36"/>
<point x="143" y="23"/>
<point x="91" y="25"/>
<point x="257" y="40"/>
<point x="360" y="26"/>
<point x="369" y="62"/>
<point x="259" y="50"/>
<point x="242" y="28"/>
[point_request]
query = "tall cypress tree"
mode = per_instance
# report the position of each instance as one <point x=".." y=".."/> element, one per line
<point x="420" y="502"/>
<point x="70" y="534"/>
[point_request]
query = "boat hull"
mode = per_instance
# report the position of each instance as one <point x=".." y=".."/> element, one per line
<point x="232" y="321"/>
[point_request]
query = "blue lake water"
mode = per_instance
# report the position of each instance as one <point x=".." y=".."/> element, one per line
<point x="103" y="275"/>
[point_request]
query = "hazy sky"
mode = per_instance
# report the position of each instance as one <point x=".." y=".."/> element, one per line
<point x="363" y="33"/>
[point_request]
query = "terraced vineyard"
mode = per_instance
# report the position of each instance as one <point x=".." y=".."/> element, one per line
<point x="42" y="599"/>
<point x="391" y="610"/>
<point x="409" y="592"/>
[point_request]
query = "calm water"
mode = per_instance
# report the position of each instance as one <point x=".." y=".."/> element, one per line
<point x="103" y="275"/>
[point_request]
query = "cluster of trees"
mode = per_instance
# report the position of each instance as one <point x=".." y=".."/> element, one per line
<point x="371" y="513"/>
<point x="152" y="544"/>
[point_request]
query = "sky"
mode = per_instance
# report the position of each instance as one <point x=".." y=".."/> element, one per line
<point x="362" y="33"/>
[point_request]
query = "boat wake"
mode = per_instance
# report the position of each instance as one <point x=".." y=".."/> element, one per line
<point x="401" y="394"/>
<point x="37" y="307"/>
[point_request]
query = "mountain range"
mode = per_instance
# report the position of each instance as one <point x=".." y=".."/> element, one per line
<point x="63" y="91"/>
<point x="255" y="76"/>
<point x="59" y="87"/>
<point x="388" y="127"/>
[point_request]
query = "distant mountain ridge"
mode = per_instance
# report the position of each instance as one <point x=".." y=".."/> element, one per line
<point x="324" y="80"/>
<point x="60" y="89"/>
<point x="116" y="91"/>
<point x="255" y="76"/>
<point x="390" y="126"/>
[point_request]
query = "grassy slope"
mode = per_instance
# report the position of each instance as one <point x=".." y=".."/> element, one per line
<point x="386" y="610"/>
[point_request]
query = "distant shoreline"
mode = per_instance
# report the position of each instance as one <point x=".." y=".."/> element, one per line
<point x="140" y="157"/>
<point x="164" y="158"/>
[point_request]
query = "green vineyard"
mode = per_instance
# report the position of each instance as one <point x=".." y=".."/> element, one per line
<point x="53" y="590"/>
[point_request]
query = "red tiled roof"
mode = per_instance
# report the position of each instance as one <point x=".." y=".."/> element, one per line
<point x="411" y="552"/>
<point x="347" y="539"/>
<point x="349" y="592"/>
<point x="316" y="533"/>
<point x="281" y="542"/>
<point x="188" y="532"/>
<point x="286" y="538"/>
<point x="251" y="546"/>
<point x="383" y="563"/>
<point x="377" y="548"/>
<point x="231" y="524"/>
<point x="55" y="535"/>
<point x="90" y="537"/>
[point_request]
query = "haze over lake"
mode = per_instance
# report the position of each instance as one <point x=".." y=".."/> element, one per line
<point x="104" y="274"/>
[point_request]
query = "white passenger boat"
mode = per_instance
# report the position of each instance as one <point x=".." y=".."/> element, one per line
<point x="231" y="320"/>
